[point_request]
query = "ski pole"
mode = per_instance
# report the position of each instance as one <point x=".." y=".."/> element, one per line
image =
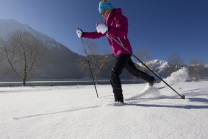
<point x="89" y="67"/>
<point x="121" y="44"/>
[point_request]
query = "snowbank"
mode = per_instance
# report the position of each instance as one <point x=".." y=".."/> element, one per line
<point x="178" y="76"/>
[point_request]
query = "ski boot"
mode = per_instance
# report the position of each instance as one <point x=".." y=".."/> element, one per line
<point x="153" y="82"/>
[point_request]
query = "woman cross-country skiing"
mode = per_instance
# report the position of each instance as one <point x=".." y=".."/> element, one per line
<point x="115" y="28"/>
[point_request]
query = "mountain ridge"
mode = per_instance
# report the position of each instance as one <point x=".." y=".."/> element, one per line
<point x="65" y="63"/>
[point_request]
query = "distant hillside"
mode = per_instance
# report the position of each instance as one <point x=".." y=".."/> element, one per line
<point x="64" y="64"/>
<point x="163" y="68"/>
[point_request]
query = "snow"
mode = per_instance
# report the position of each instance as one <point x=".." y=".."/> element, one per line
<point x="10" y="25"/>
<point x="180" y="75"/>
<point x="64" y="112"/>
<point x="159" y="65"/>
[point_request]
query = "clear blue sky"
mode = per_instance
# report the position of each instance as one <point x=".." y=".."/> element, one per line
<point x="162" y="26"/>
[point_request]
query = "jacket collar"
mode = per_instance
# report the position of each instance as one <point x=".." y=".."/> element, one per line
<point x="113" y="13"/>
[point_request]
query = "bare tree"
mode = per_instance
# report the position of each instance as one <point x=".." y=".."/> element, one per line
<point x="175" y="61"/>
<point x="23" y="52"/>
<point x="195" y="68"/>
<point x="145" y="56"/>
<point x="97" y="58"/>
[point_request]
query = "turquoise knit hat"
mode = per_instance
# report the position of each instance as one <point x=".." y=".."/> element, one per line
<point x="104" y="5"/>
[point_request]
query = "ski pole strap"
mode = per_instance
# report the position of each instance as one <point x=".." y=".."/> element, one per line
<point x="119" y="42"/>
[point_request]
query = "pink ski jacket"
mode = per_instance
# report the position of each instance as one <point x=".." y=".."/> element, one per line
<point x="117" y="28"/>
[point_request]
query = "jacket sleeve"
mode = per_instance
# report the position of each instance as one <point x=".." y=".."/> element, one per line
<point x="93" y="35"/>
<point x="121" y="27"/>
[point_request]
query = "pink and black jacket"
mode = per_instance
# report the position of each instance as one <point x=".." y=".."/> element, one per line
<point x="117" y="28"/>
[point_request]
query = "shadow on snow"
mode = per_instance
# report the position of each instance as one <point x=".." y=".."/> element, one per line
<point x="125" y="104"/>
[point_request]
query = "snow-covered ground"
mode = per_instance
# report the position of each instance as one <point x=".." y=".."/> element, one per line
<point x="68" y="112"/>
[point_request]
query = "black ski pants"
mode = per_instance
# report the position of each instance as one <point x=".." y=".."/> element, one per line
<point x="124" y="61"/>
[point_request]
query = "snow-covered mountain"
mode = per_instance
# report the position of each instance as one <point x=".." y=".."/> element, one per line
<point x="10" y="25"/>
<point x="160" y="67"/>
<point x="64" y="64"/>
<point x="163" y="68"/>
